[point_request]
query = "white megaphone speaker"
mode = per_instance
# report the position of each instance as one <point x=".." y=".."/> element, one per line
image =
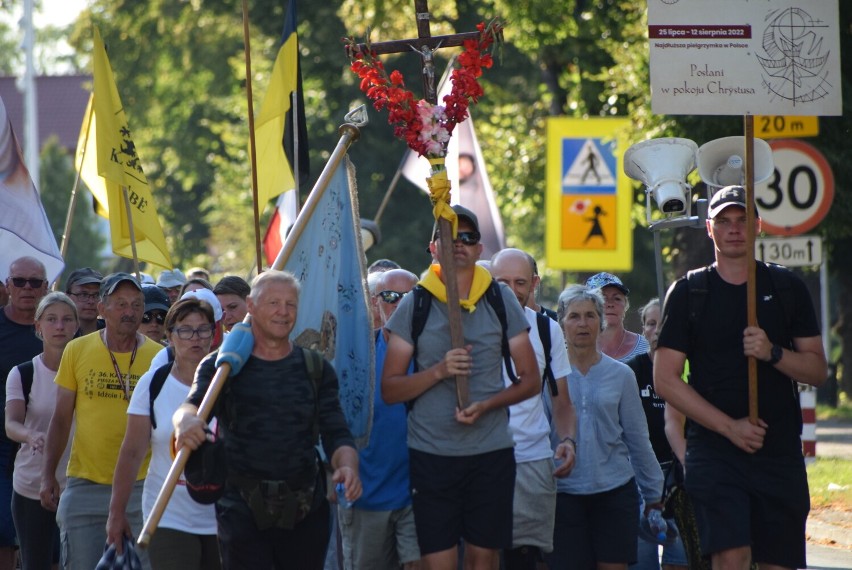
<point x="662" y="165"/>
<point x="721" y="162"/>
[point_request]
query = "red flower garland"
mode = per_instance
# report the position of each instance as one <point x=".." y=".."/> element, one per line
<point x="424" y="127"/>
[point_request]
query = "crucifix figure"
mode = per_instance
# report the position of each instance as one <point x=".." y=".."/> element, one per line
<point x="427" y="56"/>
<point x="426" y="45"/>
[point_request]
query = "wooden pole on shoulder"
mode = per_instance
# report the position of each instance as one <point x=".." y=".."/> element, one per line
<point x="349" y="133"/>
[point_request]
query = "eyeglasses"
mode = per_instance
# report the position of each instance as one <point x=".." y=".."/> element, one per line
<point x="467" y="238"/>
<point x="186" y="333"/>
<point x="148" y="317"/>
<point x="20" y="282"/>
<point x="390" y="297"/>
<point x="86" y="296"/>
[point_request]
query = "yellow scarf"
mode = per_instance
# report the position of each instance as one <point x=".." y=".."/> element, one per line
<point x="481" y="280"/>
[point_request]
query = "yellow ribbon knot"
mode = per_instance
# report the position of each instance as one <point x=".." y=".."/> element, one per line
<point x="439" y="194"/>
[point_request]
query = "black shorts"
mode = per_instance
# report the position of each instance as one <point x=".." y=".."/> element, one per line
<point x="467" y="497"/>
<point x="750" y="500"/>
<point x="600" y="527"/>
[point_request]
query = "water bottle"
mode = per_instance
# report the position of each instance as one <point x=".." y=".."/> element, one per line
<point x="658" y="524"/>
<point x="341" y="497"/>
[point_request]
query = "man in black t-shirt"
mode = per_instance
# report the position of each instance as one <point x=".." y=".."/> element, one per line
<point x="27" y="284"/>
<point x="747" y="481"/>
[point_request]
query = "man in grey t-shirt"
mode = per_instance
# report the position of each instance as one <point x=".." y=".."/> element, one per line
<point x="462" y="462"/>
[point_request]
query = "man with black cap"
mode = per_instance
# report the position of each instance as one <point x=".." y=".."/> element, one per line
<point x="462" y="464"/>
<point x="154" y="318"/>
<point x="747" y="481"/>
<point x="96" y="377"/>
<point x="83" y="287"/>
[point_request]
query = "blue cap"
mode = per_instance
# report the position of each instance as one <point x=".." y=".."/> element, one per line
<point x="601" y="280"/>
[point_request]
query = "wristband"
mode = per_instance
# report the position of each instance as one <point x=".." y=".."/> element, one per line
<point x="571" y="439"/>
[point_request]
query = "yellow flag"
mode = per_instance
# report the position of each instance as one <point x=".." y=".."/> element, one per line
<point x="119" y="166"/>
<point x="274" y="174"/>
<point x="86" y="162"/>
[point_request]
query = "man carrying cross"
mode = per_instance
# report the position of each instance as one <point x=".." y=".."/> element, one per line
<point x="462" y="463"/>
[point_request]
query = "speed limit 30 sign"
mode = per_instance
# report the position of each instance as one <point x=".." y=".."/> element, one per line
<point x="799" y="194"/>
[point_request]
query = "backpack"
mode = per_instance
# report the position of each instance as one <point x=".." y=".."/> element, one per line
<point x="423" y="303"/>
<point x="542" y="321"/>
<point x="314" y="365"/>
<point x="780" y="278"/>
<point x="157" y="383"/>
<point x="781" y="281"/>
<point x="27" y="371"/>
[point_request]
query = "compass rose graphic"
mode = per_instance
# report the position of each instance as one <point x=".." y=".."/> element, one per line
<point x="794" y="59"/>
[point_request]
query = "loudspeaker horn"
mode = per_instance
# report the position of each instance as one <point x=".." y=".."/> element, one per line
<point x="662" y="165"/>
<point x="721" y="162"/>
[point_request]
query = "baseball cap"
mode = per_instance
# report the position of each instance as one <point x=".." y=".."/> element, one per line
<point x="155" y="298"/>
<point x="727" y="196"/>
<point x="461" y="212"/>
<point x="83" y="276"/>
<point x="171" y="278"/>
<point x="147" y="279"/>
<point x="206" y="472"/>
<point x="603" y="279"/>
<point x="111" y="281"/>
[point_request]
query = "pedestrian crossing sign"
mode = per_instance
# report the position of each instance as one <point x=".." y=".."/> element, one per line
<point x="589" y="197"/>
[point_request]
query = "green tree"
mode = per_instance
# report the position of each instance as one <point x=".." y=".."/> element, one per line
<point x="180" y="71"/>
<point x="85" y="242"/>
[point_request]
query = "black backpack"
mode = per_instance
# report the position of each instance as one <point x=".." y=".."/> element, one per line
<point x="542" y="321"/>
<point x="781" y="280"/>
<point x="780" y="277"/>
<point x="313" y="364"/>
<point x="423" y="303"/>
<point x="27" y="371"/>
<point x="157" y="383"/>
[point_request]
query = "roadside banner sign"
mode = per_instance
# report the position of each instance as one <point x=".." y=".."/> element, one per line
<point x="800" y="192"/>
<point x="740" y="57"/>
<point x="794" y="251"/>
<point x="588" y="195"/>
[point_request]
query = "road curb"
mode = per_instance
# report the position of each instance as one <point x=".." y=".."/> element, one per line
<point x="824" y="532"/>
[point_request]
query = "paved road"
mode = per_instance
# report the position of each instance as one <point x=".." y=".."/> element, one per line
<point x="828" y="558"/>
<point x="834" y="439"/>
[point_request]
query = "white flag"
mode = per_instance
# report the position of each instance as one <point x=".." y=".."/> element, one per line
<point x="24" y="228"/>
<point x="470" y="185"/>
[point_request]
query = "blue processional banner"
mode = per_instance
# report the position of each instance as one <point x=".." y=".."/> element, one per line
<point x="334" y="315"/>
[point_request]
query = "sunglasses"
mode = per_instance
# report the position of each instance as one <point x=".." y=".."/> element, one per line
<point x="86" y="296"/>
<point x="148" y="317"/>
<point x="467" y="238"/>
<point x="20" y="282"/>
<point x="390" y="297"/>
<point x="186" y="333"/>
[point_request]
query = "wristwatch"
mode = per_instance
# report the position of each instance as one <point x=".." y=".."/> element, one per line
<point x="776" y="354"/>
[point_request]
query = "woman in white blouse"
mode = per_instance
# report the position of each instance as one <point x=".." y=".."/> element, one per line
<point x="186" y="536"/>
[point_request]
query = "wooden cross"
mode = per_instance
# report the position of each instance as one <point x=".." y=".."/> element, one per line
<point x="426" y="45"/>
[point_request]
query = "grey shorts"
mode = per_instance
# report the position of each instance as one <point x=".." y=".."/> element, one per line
<point x="378" y="539"/>
<point x="534" y="505"/>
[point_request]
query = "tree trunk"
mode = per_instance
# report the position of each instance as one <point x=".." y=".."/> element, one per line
<point x="844" y="325"/>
